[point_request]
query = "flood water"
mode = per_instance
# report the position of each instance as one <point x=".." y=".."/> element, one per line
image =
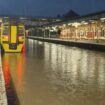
<point x="50" y="74"/>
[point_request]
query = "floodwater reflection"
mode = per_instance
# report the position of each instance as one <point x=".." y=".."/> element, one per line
<point x="76" y="74"/>
<point x="50" y="74"/>
<point x="13" y="71"/>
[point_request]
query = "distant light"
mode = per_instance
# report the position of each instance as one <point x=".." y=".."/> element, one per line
<point x="22" y="18"/>
<point x="54" y="28"/>
<point x="44" y="19"/>
<point x="84" y="22"/>
<point x="6" y="17"/>
<point x="64" y="25"/>
<point x="0" y="20"/>
<point x="76" y="24"/>
<point x="51" y="30"/>
<point x="40" y="43"/>
<point x="47" y="28"/>
<point x="58" y="20"/>
<point x="69" y="24"/>
<point x="102" y="19"/>
<point x="92" y="21"/>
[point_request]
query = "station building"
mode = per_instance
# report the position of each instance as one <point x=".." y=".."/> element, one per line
<point x="88" y="27"/>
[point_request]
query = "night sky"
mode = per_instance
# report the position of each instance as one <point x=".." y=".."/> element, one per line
<point x="49" y="7"/>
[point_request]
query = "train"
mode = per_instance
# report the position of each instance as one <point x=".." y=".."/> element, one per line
<point x="12" y="36"/>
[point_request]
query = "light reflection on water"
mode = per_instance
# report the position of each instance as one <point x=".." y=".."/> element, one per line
<point x="13" y="72"/>
<point x="81" y="73"/>
<point x="50" y="74"/>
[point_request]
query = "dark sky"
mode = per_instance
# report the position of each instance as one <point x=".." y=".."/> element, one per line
<point x="49" y="7"/>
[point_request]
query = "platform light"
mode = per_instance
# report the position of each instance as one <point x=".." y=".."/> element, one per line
<point x="47" y="28"/>
<point x="102" y="19"/>
<point x="64" y="25"/>
<point x="40" y="43"/>
<point x="60" y="26"/>
<point x="54" y="28"/>
<point x="92" y="21"/>
<point x="76" y="24"/>
<point x="69" y="24"/>
<point x="51" y="30"/>
<point x="85" y="23"/>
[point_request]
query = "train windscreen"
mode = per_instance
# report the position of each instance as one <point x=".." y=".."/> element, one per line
<point x="6" y="30"/>
<point x="20" y="31"/>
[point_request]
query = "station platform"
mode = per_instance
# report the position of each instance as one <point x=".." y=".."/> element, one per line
<point x="3" y="96"/>
<point x="86" y="44"/>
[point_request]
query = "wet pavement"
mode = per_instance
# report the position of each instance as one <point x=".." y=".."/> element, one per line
<point x="50" y="74"/>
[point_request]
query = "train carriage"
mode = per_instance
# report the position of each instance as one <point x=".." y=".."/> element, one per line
<point x="12" y="37"/>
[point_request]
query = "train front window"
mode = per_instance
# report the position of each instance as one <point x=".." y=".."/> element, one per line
<point x="20" y="31"/>
<point x="6" y="31"/>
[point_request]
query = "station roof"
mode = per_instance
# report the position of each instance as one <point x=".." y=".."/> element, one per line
<point x="91" y="16"/>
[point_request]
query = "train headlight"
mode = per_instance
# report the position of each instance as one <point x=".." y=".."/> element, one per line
<point x="20" y="37"/>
